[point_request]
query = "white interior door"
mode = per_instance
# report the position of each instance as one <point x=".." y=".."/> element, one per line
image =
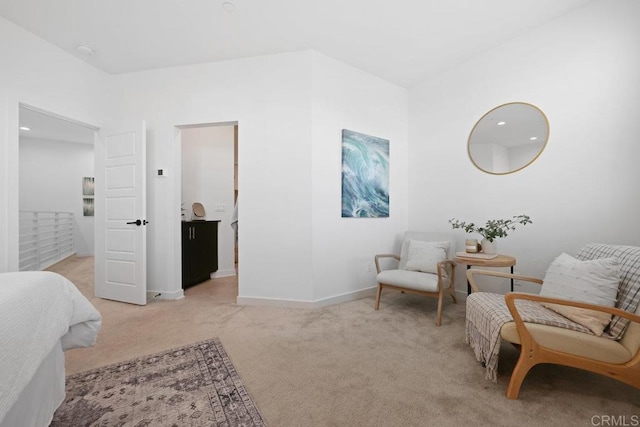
<point x="120" y="215"/>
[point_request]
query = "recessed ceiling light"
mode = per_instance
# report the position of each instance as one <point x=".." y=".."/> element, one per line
<point x="229" y="7"/>
<point x="24" y="128"/>
<point x="85" y="50"/>
<point x="501" y="123"/>
<point x="533" y="138"/>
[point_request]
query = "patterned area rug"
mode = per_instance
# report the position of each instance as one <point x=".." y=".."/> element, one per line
<point x="195" y="385"/>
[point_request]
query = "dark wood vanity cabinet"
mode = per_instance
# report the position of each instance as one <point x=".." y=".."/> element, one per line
<point x="199" y="251"/>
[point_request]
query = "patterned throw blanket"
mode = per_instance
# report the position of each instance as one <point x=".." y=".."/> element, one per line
<point x="487" y="312"/>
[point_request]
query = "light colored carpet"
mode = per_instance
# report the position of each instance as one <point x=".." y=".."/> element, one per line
<point x="348" y="365"/>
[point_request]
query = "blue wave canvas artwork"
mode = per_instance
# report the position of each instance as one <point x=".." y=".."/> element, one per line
<point x="365" y="176"/>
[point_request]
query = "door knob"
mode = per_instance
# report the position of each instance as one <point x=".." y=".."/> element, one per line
<point x="136" y="222"/>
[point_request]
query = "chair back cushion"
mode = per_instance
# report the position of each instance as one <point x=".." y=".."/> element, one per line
<point x="594" y="281"/>
<point x="424" y="237"/>
<point x="629" y="291"/>
<point x="425" y="256"/>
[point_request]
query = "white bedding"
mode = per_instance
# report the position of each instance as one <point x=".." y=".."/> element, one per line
<point x="37" y="309"/>
<point x="46" y="388"/>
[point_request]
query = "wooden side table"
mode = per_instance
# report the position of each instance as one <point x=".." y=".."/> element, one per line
<point x="499" y="261"/>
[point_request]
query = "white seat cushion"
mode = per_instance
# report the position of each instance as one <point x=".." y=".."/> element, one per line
<point x="411" y="280"/>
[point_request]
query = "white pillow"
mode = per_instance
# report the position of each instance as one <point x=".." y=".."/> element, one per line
<point x="425" y="256"/>
<point x="593" y="281"/>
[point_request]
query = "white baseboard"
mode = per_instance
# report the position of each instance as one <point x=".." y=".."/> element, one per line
<point x="272" y="302"/>
<point x="285" y="303"/>
<point x="346" y="297"/>
<point x="51" y="264"/>
<point x="462" y="295"/>
<point x="224" y="273"/>
<point x="151" y="295"/>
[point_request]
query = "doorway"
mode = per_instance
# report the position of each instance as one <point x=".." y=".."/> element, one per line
<point x="55" y="188"/>
<point x="209" y="171"/>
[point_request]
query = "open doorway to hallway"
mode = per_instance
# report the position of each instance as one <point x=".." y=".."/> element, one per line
<point x="55" y="187"/>
<point x="208" y="179"/>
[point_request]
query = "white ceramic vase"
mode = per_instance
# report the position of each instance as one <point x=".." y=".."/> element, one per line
<point x="489" y="247"/>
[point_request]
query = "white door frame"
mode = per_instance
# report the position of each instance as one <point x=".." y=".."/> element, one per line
<point x="177" y="156"/>
<point x="9" y="258"/>
<point x="12" y="115"/>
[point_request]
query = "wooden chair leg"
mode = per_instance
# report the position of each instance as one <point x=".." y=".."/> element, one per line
<point x="377" y="305"/>
<point x="519" y="372"/>
<point x="439" y="314"/>
<point x="453" y="295"/>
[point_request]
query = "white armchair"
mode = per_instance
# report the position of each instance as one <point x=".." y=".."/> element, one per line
<point x="425" y="267"/>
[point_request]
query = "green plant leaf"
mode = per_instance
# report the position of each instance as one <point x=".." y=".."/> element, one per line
<point x="493" y="228"/>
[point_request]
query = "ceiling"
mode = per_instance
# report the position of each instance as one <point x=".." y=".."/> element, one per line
<point x="401" y="41"/>
<point x="50" y="127"/>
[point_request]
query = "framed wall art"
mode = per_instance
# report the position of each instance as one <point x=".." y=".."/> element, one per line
<point x="88" y="191"/>
<point x="365" y="175"/>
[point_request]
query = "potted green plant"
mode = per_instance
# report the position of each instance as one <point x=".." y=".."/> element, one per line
<point x="493" y="229"/>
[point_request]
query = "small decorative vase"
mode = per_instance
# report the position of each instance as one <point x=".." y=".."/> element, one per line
<point x="489" y="247"/>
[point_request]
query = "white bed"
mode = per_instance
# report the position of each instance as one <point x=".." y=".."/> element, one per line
<point x="41" y="315"/>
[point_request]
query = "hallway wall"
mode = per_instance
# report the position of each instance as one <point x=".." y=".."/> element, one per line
<point x="50" y="179"/>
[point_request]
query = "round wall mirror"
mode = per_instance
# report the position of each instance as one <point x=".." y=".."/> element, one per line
<point x="508" y="138"/>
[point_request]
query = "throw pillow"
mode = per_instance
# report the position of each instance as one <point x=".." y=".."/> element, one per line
<point x="594" y="281"/>
<point x="425" y="256"/>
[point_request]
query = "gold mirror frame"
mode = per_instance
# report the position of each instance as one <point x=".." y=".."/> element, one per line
<point x="522" y="122"/>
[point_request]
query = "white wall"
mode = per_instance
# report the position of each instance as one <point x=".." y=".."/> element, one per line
<point x="582" y="71"/>
<point x="39" y="74"/>
<point x="207" y="178"/>
<point x="344" y="248"/>
<point x="269" y="97"/>
<point x="290" y="109"/>
<point x="50" y="179"/>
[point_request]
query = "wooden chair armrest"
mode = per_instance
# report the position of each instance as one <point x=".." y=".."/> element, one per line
<point x="380" y="256"/>
<point x="450" y="262"/>
<point x="452" y="272"/>
<point x="512" y="296"/>
<point x="474" y="286"/>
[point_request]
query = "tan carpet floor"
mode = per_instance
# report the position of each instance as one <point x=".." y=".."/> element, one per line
<point x="348" y="365"/>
